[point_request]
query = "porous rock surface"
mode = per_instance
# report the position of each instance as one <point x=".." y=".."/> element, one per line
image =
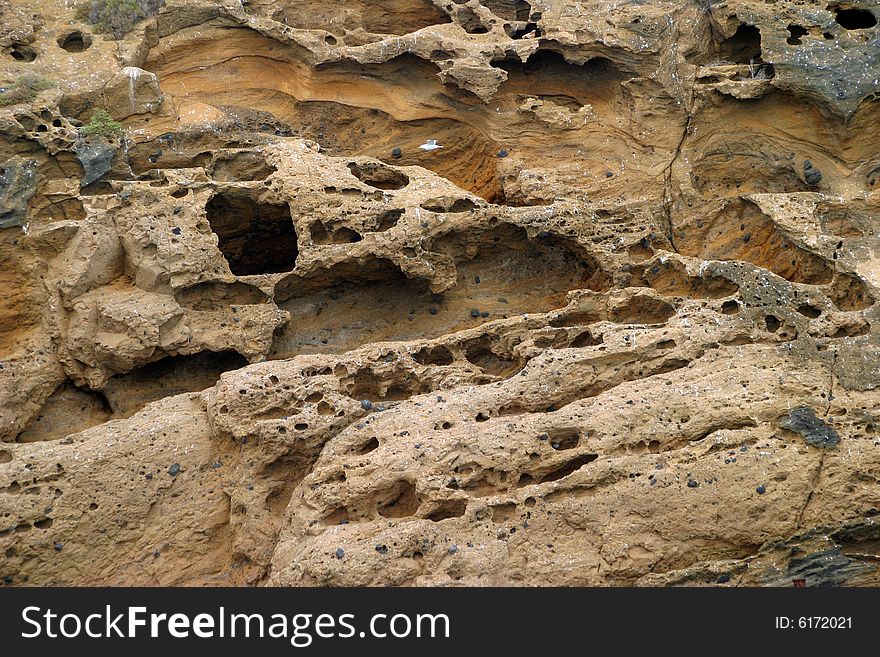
<point x="620" y="330"/>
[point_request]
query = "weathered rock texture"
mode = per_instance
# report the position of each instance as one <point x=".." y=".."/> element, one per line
<point x="620" y="330"/>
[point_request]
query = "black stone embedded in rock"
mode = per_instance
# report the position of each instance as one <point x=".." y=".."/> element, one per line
<point x="59" y="547"/>
<point x="366" y="404"/>
<point x="813" y="177"/>
<point x="453" y="549"/>
<point x="723" y="579"/>
<point x="396" y="152"/>
<point x="692" y="483"/>
<point x="96" y="160"/>
<point x="760" y="490"/>
<point x="475" y="313"/>
<point x="340" y="553"/>
<point x="803" y="420"/>
<point x="176" y="230"/>
<point x="174" y="470"/>
<point x="829" y="567"/>
<point x="18" y="183"/>
<point x="502" y="153"/>
<point x="382" y="549"/>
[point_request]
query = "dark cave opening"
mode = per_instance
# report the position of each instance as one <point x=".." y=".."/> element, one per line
<point x="75" y="41"/>
<point x="169" y="376"/>
<point x="795" y="32"/>
<point x="854" y="19"/>
<point x="21" y="52"/>
<point x="255" y="238"/>
<point x="744" y="47"/>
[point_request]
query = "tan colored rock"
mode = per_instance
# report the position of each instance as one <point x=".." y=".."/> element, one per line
<point x="132" y="91"/>
<point x="618" y="330"/>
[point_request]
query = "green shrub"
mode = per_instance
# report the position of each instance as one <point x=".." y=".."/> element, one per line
<point x="25" y="89"/>
<point x="103" y="125"/>
<point x="118" y="17"/>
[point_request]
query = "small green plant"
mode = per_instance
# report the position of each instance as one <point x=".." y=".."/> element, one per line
<point x="102" y="125"/>
<point x="118" y="17"/>
<point x="25" y="89"/>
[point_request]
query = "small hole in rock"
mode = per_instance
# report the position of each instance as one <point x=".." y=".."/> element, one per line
<point x="21" y="53"/>
<point x="795" y="33"/>
<point x="371" y="445"/>
<point x="809" y="311"/>
<point x="75" y="41"/>
<point x="730" y="307"/>
<point x="854" y="19"/>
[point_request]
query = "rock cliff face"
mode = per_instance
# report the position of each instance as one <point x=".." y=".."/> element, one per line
<point x="620" y="330"/>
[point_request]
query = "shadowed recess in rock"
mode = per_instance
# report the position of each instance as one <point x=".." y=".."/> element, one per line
<point x="507" y="275"/>
<point x="172" y="375"/>
<point x="548" y="75"/>
<point x="254" y="237"/>
<point x="216" y="295"/>
<point x="241" y="166"/>
<point x="69" y="410"/>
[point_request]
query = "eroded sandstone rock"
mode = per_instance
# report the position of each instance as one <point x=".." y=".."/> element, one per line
<point x="618" y="330"/>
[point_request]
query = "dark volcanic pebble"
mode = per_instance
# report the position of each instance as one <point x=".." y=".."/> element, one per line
<point x="813" y="176"/>
<point x="815" y="431"/>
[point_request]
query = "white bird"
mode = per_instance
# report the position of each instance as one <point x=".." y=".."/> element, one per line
<point x="430" y="145"/>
